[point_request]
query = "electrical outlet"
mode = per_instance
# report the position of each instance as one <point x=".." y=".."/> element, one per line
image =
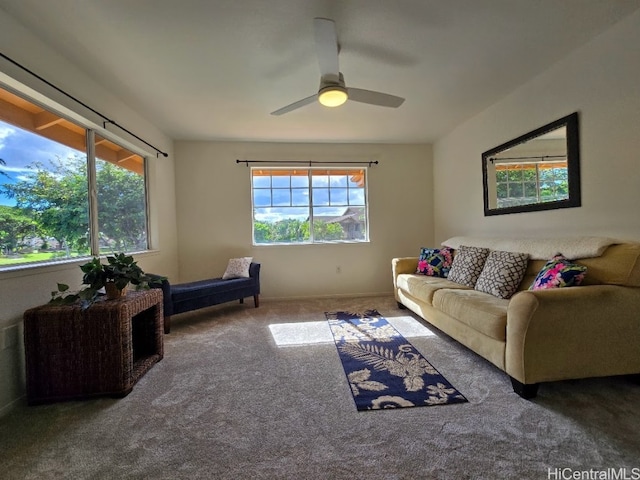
<point x="10" y="335"/>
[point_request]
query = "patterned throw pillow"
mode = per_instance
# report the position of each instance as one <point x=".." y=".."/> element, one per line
<point x="435" y="262"/>
<point x="559" y="272"/>
<point x="502" y="273"/>
<point x="237" y="268"/>
<point x="467" y="265"/>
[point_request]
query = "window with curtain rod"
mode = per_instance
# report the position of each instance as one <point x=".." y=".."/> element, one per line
<point x="105" y="120"/>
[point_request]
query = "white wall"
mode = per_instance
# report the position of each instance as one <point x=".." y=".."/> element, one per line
<point x="602" y="82"/>
<point x="28" y="288"/>
<point x="214" y="217"/>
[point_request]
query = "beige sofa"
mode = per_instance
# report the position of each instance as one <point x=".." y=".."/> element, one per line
<point x="591" y="330"/>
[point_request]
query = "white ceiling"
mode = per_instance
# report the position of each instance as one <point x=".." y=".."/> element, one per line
<point x="215" y="69"/>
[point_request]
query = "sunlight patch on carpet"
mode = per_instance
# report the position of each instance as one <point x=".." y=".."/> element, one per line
<point x="300" y="333"/>
<point x="409" y="327"/>
<point x="383" y="369"/>
<point x="308" y="333"/>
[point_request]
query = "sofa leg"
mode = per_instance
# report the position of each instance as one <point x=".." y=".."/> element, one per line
<point x="401" y="306"/>
<point x="256" y="300"/>
<point x="634" y="378"/>
<point x="167" y="324"/>
<point x="526" y="391"/>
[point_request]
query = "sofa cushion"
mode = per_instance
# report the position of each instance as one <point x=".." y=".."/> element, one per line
<point x="435" y="262"/>
<point x="423" y="287"/>
<point x="618" y="265"/>
<point x="482" y="312"/>
<point x="502" y="273"/>
<point x="559" y="272"/>
<point x="467" y="265"/>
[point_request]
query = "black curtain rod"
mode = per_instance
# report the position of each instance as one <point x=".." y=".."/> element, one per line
<point x="105" y="119"/>
<point x="541" y="157"/>
<point x="306" y="162"/>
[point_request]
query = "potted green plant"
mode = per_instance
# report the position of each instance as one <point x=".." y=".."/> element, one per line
<point x="114" y="276"/>
<point x="120" y="271"/>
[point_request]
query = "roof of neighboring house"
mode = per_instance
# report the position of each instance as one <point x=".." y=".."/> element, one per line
<point x="351" y="213"/>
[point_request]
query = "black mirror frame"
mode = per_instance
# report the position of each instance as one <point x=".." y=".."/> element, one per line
<point x="573" y="168"/>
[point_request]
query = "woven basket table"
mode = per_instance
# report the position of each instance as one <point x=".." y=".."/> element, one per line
<point x="72" y="353"/>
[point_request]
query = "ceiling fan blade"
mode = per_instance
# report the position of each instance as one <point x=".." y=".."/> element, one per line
<point x="374" y="98"/>
<point x="326" y="46"/>
<point x="296" y="105"/>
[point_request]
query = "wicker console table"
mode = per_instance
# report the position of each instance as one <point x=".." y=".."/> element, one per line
<point x="103" y="350"/>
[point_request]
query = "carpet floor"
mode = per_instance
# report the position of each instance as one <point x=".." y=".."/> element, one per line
<point x="261" y="394"/>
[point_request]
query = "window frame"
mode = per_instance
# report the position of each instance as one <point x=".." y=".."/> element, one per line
<point x="91" y="132"/>
<point x="537" y="168"/>
<point x="309" y="206"/>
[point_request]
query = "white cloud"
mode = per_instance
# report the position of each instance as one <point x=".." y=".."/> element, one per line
<point x="5" y="131"/>
<point x="7" y="168"/>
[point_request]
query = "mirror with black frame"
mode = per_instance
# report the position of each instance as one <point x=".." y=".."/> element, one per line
<point x="539" y="170"/>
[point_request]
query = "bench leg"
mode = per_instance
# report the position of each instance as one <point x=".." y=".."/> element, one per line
<point x="167" y="324"/>
<point x="256" y="300"/>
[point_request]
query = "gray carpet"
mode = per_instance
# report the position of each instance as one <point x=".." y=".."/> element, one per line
<point x="237" y="396"/>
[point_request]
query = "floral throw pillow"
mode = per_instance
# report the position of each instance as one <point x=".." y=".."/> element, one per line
<point x="435" y="262"/>
<point x="559" y="272"/>
<point x="237" y="268"/>
<point x="467" y="265"/>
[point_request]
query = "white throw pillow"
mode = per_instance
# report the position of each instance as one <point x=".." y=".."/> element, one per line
<point x="237" y="268"/>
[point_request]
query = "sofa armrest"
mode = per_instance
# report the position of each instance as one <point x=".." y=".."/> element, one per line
<point x="573" y="332"/>
<point x="403" y="265"/>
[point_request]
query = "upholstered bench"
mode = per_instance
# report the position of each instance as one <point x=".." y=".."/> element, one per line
<point x="185" y="297"/>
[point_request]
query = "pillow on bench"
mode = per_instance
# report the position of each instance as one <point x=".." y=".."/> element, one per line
<point x="237" y="268"/>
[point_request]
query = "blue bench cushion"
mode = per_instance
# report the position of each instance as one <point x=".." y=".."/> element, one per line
<point x="203" y="288"/>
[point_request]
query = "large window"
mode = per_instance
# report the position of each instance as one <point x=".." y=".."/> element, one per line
<point x="311" y="205"/>
<point x="60" y="199"/>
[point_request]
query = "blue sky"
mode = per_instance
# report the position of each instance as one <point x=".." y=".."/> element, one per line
<point x="19" y="148"/>
<point x="278" y="197"/>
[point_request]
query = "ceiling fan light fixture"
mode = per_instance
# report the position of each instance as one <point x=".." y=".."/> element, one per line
<point x="333" y="96"/>
<point x="332" y="91"/>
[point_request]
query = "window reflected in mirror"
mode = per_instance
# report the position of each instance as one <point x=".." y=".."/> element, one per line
<point x="537" y="171"/>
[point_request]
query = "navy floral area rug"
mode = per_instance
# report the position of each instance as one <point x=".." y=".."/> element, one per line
<point x="383" y="369"/>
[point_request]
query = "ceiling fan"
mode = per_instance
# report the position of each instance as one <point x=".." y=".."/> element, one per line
<point x="333" y="92"/>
